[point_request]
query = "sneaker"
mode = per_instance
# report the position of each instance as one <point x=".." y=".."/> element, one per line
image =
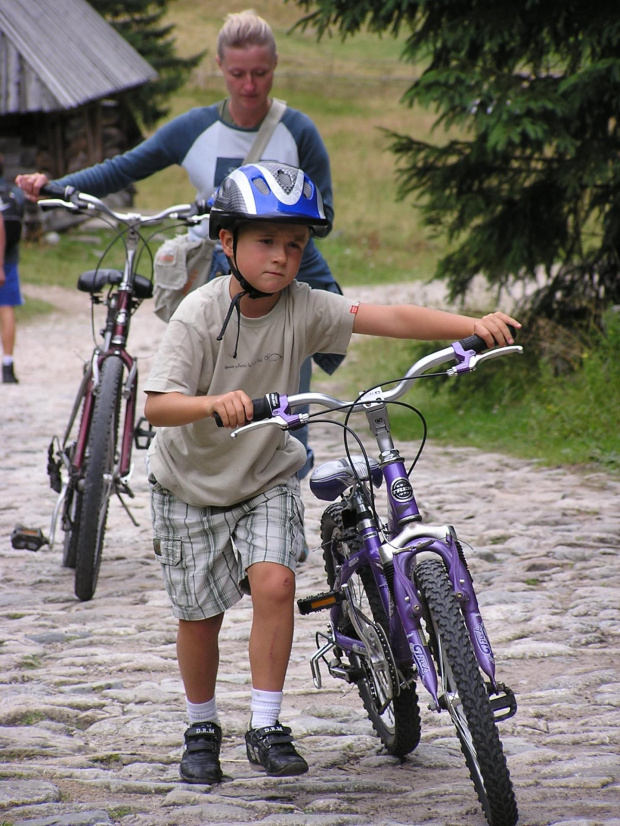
<point x="8" y="374"/>
<point x="201" y="759"/>
<point x="272" y="748"/>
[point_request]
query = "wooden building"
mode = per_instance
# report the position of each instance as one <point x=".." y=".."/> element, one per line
<point x="64" y="75"/>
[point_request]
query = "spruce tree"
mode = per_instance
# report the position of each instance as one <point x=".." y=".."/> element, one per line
<point x="140" y="23"/>
<point x="528" y="172"/>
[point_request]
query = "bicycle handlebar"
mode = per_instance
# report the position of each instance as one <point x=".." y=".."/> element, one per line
<point x="70" y="198"/>
<point x="275" y="409"/>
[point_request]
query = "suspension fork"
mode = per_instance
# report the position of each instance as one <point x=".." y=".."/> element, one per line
<point x="449" y="550"/>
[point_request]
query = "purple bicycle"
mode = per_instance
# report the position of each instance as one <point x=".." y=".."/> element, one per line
<point x="401" y="599"/>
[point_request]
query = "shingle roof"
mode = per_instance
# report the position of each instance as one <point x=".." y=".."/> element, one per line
<point x="59" y="54"/>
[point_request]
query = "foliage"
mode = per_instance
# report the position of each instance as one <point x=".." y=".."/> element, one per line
<point x="140" y="23"/>
<point x="527" y="178"/>
<point x="516" y="405"/>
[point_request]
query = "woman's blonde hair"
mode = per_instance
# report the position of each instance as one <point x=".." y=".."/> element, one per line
<point x="243" y="29"/>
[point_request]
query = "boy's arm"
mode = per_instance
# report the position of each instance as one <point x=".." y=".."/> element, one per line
<point x="425" y="324"/>
<point x="176" y="409"/>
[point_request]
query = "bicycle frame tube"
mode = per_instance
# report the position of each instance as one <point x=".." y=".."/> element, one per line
<point x="399" y="554"/>
<point x="125" y="291"/>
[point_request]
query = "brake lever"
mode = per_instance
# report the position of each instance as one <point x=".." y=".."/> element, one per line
<point x="54" y="203"/>
<point x="277" y="421"/>
<point x="473" y="360"/>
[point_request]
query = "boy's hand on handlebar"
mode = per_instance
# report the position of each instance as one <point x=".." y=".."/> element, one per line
<point x="494" y="329"/>
<point x="234" y="409"/>
<point x="31" y="184"/>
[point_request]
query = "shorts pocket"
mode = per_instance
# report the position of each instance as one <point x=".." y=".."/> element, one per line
<point x="168" y="551"/>
<point x="177" y="580"/>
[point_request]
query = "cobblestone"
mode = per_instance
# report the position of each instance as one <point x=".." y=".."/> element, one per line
<point x="91" y="704"/>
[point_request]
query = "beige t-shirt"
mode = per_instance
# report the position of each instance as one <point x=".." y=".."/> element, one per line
<point x="199" y="462"/>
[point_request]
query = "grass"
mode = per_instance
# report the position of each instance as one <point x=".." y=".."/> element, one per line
<point x="513" y="405"/>
<point x="353" y="92"/>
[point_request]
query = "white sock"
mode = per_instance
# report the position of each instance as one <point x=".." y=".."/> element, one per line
<point x="202" y="712"/>
<point x="265" y="706"/>
<point x="8" y="360"/>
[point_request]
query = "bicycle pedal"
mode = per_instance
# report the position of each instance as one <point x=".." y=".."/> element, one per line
<point x="344" y="672"/>
<point x="143" y="436"/>
<point x="503" y="703"/>
<point x="28" y="539"/>
<point x="319" y="602"/>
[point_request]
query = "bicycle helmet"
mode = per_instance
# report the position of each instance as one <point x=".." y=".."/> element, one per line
<point x="267" y="191"/>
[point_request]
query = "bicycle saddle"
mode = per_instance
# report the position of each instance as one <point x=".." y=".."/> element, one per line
<point x="331" y="479"/>
<point x="93" y="281"/>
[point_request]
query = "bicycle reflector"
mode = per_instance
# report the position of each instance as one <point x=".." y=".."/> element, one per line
<point x="29" y="539"/>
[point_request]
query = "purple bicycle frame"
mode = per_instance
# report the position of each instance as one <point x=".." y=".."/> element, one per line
<point x="408" y="538"/>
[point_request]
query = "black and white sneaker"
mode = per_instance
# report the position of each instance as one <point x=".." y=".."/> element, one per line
<point x="8" y="374"/>
<point x="272" y="749"/>
<point x="201" y="759"/>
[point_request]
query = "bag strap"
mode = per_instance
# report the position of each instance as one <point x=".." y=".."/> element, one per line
<point x="267" y="127"/>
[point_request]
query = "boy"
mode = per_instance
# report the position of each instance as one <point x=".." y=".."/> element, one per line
<point x="235" y="339"/>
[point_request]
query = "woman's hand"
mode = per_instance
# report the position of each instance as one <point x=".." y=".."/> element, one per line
<point x="31" y="184"/>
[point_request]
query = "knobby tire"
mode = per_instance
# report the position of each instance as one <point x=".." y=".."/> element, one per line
<point x="399" y="726"/>
<point x="463" y="692"/>
<point x="98" y="478"/>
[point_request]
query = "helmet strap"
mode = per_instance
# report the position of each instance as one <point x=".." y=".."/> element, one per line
<point x="247" y="289"/>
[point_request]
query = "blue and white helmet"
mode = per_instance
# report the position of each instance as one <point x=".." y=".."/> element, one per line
<point x="268" y="191"/>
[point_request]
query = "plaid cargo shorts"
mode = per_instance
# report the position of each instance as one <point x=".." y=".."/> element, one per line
<point x="205" y="551"/>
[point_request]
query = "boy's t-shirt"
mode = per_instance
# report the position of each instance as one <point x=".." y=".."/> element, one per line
<point x="199" y="462"/>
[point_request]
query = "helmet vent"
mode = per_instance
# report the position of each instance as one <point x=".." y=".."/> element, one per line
<point x="262" y="187"/>
<point x="285" y="180"/>
<point x="307" y="190"/>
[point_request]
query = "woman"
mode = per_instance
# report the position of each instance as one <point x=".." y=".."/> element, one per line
<point x="210" y="142"/>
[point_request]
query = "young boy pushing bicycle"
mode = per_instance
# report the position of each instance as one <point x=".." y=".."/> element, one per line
<point x="227" y="514"/>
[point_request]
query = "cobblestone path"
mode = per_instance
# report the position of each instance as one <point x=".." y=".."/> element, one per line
<point x="91" y="705"/>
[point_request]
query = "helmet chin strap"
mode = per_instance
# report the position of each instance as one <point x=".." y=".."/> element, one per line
<point x="247" y="289"/>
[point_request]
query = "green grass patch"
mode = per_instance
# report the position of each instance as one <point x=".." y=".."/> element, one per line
<point x="511" y="405"/>
<point x="31" y="661"/>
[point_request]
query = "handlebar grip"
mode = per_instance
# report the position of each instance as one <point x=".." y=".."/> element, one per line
<point x="199" y="207"/>
<point x="479" y="345"/>
<point x="263" y="408"/>
<point x="54" y="190"/>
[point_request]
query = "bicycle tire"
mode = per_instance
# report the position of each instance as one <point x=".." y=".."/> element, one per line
<point x="98" y="478"/>
<point x="399" y="725"/>
<point x="463" y="693"/>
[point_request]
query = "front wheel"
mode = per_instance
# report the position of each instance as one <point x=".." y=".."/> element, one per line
<point x="464" y="695"/>
<point x="398" y="724"/>
<point x="98" y="478"/>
